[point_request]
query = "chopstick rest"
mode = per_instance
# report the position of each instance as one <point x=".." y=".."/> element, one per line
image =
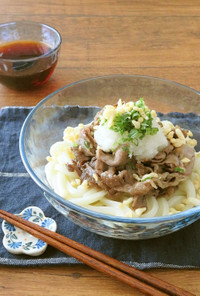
<point x="18" y="241"/>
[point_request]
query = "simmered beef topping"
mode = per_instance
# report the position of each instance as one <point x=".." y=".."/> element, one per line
<point x="117" y="172"/>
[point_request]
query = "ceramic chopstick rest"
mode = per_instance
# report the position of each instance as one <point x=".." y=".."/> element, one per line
<point x="17" y="241"/>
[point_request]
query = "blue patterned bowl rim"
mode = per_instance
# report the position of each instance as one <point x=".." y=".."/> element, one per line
<point x="90" y="213"/>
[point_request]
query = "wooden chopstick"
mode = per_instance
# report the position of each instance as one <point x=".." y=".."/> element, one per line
<point x="135" y="278"/>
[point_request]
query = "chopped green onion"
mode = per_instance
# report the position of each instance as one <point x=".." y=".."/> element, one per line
<point x="147" y="178"/>
<point x="125" y="148"/>
<point x="140" y="103"/>
<point x="75" y="145"/>
<point x="105" y="120"/>
<point x="124" y="124"/>
<point x="179" y="169"/>
<point x="86" y="143"/>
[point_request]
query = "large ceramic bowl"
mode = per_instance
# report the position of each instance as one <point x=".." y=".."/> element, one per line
<point x="47" y="121"/>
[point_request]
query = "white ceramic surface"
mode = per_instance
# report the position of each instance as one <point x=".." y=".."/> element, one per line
<point x="17" y="241"/>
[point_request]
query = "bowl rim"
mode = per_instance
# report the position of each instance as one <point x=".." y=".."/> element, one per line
<point x="82" y="210"/>
<point x="50" y="52"/>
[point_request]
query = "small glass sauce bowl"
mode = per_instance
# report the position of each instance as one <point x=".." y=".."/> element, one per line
<point x="28" y="54"/>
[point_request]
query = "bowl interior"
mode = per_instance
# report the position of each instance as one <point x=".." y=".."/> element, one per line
<point x="46" y="123"/>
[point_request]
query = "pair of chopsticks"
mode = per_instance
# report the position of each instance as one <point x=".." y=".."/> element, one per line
<point x="135" y="278"/>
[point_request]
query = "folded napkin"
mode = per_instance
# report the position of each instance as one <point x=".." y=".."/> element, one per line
<point x="18" y="191"/>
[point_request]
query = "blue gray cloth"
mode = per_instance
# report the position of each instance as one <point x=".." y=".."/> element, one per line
<point x="18" y="191"/>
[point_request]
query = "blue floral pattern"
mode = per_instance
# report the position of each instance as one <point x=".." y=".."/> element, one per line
<point x="26" y="214"/>
<point x="17" y="241"/>
<point x="40" y="244"/>
<point x="9" y="226"/>
<point x="15" y="245"/>
<point x="47" y="222"/>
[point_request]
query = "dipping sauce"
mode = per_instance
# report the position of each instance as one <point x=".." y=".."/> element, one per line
<point x="18" y="72"/>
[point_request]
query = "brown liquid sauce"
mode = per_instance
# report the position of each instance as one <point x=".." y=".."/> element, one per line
<point x="25" y="74"/>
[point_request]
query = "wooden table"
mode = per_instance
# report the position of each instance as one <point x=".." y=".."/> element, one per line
<point x="106" y="37"/>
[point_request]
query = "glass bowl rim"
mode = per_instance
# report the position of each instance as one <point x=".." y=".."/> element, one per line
<point x="50" y="52"/>
<point x="82" y="210"/>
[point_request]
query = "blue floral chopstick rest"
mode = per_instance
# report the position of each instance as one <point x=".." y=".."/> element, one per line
<point x="17" y="241"/>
